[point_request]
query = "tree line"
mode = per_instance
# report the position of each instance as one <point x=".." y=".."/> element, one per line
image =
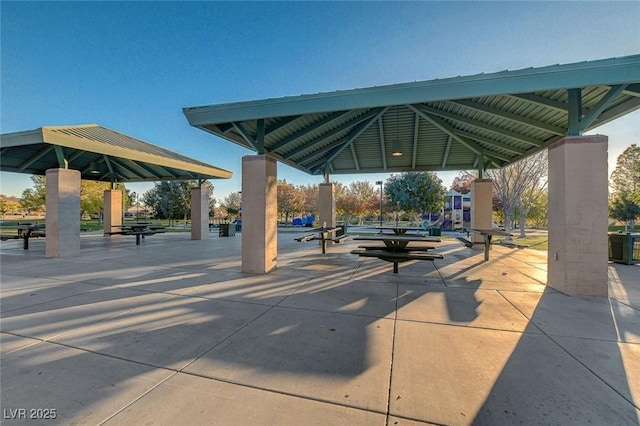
<point x="520" y="195"/>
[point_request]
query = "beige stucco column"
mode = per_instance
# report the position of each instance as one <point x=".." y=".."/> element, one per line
<point x="481" y="207"/>
<point x="327" y="204"/>
<point x="578" y="216"/>
<point x="112" y="210"/>
<point x="200" y="213"/>
<point x="259" y="214"/>
<point x="63" y="213"/>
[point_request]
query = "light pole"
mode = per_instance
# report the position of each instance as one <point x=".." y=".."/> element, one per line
<point x="380" y="183"/>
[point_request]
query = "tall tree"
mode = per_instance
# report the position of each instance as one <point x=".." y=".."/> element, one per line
<point x="232" y="204"/>
<point x="624" y="208"/>
<point x="92" y="196"/>
<point x="290" y="200"/>
<point x="357" y="200"/>
<point x="415" y="192"/>
<point x="462" y="182"/>
<point x="626" y="176"/>
<point x="511" y="181"/>
<point x="34" y="199"/>
<point x="625" y="179"/>
<point x="310" y="199"/>
<point x="537" y="170"/>
<point x="170" y="199"/>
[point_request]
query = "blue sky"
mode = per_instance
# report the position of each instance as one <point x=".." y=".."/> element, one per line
<point x="132" y="66"/>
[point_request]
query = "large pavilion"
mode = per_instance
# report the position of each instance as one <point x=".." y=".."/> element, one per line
<point x="67" y="154"/>
<point x="462" y="123"/>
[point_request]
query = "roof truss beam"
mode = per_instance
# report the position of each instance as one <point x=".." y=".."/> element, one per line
<point x="35" y="158"/>
<point x="542" y="101"/>
<point x="245" y="135"/>
<point x="340" y="129"/>
<point x="480" y="125"/>
<point x="307" y="130"/>
<point x="451" y="131"/>
<point x="447" y="148"/>
<point x="618" y="111"/>
<point x="340" y="145"/>
<point x="509" y="116"/>
<point x="63" y="163"/>
<point x="355" y="157"/>
<point x="489" y="141"/>
<point x="383" y="154"/>
<point x="284" y="122"/>
<point x="632" y="90"/>
<point x="593" y="114"/>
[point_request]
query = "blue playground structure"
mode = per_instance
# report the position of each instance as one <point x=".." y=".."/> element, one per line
<point x="455" y="215"/>
<point x="306" y="221"/>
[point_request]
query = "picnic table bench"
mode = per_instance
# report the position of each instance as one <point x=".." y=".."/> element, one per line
<point x="140" y="230"/>
<point x="324" y="235"/>
<point x="487" y="234"/>
<point x="396" y="249"/>
<point x="26" y="231"/>
<point x="397" y="257"/>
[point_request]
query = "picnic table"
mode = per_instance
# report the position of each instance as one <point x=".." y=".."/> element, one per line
<point x="487" y="234"/>
<point x="400" y="230"/>
<point x="26" y="231"/>
<point x="324" y="234"/>
<point x="140" y="230"/>
<point x="395" y="248"/>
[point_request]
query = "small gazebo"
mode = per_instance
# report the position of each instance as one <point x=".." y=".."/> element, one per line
<point x="67" y="154"/>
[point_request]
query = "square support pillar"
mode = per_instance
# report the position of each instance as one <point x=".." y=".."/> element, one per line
<point x="63" y="213"/>
<point x="259" y="214"/>
<point x="200" y="213"/>
<point x="112" y="210"/>
<point x="578" y="216"/>
<point x="481" y="207"/>
<point x="327" y="204"/>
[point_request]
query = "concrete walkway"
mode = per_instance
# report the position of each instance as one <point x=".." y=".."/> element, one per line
<point x="172" y="333"/>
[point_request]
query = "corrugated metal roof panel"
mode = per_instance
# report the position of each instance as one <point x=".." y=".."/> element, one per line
<point x="92" y="146"/>
<point x="502" y="116"/>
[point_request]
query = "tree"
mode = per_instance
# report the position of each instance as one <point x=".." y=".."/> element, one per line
<point x="170" y="199"/>
<point x="415" y="192"/>
<point x="310" y="193"/>
<point x="538" y="212"/>
<point x="232" y="204"/>
<point x="34" y="199"/>
<point x="9" y="206"/>
<point x="626" y="186"/>
<point x="92" y="196"/>
<point x="462" y="183"/>
<point x="510" y="182"/>
<point x="357" y="200"/>
<point x="625" y="208"/>
<point x="537" y="170"/>
<point x="290" y="200"/>
<point x="626" y="176"/>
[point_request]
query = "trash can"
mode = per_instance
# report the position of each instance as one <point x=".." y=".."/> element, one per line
<point x="227" y="230"/>
<point x="435" y="232"/>
<point x="624" y="248"/>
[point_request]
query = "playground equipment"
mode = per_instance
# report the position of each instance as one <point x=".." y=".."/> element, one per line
<point x="306" y="221"/>
<point x="455" y="215"/>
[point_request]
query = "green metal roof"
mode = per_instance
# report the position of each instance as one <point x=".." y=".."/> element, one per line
<point x="460" y="123"/>
<point x="99" y="154"/>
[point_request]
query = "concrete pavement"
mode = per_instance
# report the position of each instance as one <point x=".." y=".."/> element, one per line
<point x="171" y="332"/>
